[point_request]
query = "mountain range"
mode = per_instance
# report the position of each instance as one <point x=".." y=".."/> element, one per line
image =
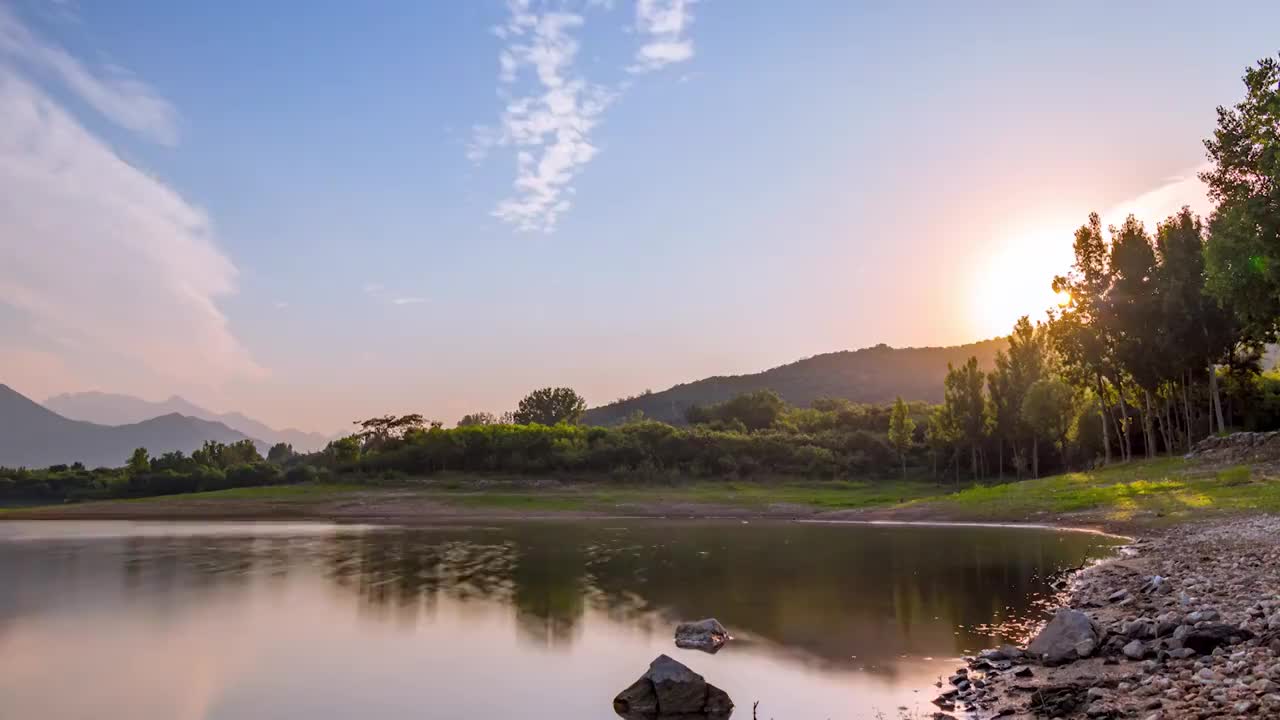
<point x="113" y="409"/>
<point x="34" y="436"/>
<point x="870" y="375"/>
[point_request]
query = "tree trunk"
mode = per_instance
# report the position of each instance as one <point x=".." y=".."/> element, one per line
<point x="955" y="457"/>
<point x="1126" y="449"/>
<point x="1000" y="457"/>
<point x="1102" y="412"/>
<point x="1166" y="422"/>
<point x="1186" y="407"/>
<point x="1216" y="400"/>
<point x="1035" y="457"/>
<point x="973" y="460"/>
<point x="904" y="464"/>
<point x="1150" y="417"/>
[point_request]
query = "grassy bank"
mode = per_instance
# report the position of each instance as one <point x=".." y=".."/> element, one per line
<point x="1164" y="490"/>
<point x="1153" y="492"/>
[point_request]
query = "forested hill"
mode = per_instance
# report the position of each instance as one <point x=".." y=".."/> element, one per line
<point x="34" y="436"/>
<point x="870" y="375"/>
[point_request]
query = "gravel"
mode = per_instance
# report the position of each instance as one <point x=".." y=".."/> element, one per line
<point x="1188" y="621"/>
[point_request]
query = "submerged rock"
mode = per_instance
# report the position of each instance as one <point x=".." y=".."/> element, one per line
<point x="671" y="690"/>
<point x="1061" y="641"/>
<point x="707" y="635"/>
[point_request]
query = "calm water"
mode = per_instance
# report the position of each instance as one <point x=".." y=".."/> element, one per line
<point x="536" y="620"/>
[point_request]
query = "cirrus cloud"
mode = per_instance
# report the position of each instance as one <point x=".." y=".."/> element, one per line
<point x="551" y="109"/>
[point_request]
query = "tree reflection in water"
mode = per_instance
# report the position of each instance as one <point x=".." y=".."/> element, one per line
<point x="823" y="593"/>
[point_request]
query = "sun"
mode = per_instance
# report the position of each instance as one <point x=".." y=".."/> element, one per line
<point x="1015" y="278"/>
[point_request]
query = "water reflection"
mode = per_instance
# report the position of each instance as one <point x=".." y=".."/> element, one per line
<point x="822" y="614"/>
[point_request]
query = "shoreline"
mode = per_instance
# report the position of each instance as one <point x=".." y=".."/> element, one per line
<point x="1185" y="623"/>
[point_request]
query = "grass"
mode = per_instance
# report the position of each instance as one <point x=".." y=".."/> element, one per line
<point x="1158" y="491"/>
<point x="1165" y="490"/>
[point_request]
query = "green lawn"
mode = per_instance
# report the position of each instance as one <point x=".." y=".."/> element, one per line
<point x="1168" y="488"/>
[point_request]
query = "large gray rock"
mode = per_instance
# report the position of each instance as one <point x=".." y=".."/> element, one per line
<point x="1061" y="640"/>
<point x="707" y="635"/>
<point x="679" y="689"/>
<point x="670" y="690"/>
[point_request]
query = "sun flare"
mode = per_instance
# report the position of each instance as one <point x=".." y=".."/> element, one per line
<point x="1016" y="279"/>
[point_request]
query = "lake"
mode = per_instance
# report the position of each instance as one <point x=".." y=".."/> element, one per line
<point x="196" y="621"/>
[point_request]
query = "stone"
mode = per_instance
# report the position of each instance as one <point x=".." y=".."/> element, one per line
<point x="1135" y="650"/>
<point x="1057" y="642"/>
<point x="679" y="689"/>
<point x="1207" y="638"/>
<point x="670" y="689"/>
<point x="639" y="699"/>
<point x="706" y="635"/>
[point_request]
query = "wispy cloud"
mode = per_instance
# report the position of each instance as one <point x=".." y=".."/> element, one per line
<point x="551" y="109"/>
<point x="97" y="254"/>
<point x="380" y="293"/>
<point x="664" y="26"/>
<point x="112" y="91"/>
<point x="1167" y="198"/>
<point x="103" y="254"/>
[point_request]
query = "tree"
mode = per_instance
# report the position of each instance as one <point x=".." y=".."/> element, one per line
<point x="1243" y="252"/>
<point x="139" y="462"/>
<point x="1048" y="410"/>
<point x="551" y="406"/>
<point x="1079" y="331"/>
<point x="241" y="452"/>
<point x="1134" y="318"/>
<point x="477" y="418"/>
<point x="901" y="427"/>
<point x="379" y="432"/>
<point x="966" y="405"/>
<point x="940" y="434"/>
<point x="280" y="453"/>
<point x="344" y="450"/>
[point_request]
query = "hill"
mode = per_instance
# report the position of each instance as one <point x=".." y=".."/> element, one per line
<point x="114" y="409"/>
<point x="34" y="436"/>
<point x="870" y="375"/>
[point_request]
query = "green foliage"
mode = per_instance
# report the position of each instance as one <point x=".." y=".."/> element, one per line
<point x="1048" y="410"/>
<point x="1244" y="182"/>
<point x="751" y="411"/>
<point x="139" y="462"/>
<point x="901" y="431"/>
<point x="550" y="406"/>
<point x="280" y="453"/>
<point x="479" y="418"/>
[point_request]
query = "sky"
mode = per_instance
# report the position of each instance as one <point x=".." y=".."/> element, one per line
<point x="315" y="213"/>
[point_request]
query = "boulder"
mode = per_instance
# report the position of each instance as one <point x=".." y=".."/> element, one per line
<point x="1206" y="638"/>
<point x="1057" y="643"/>
<point x="707" y="635"/>
<point x="670" y="690"/>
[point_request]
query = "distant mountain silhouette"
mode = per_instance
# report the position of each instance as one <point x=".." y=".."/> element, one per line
<point x="113" y="409"/>
<point x="871" y="375"/>
<point x="34" y="436"/>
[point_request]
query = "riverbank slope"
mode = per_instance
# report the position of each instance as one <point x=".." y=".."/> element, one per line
<point x="1125" y="498"/>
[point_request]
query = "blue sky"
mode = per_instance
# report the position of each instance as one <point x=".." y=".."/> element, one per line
<point x="317" y="212"/>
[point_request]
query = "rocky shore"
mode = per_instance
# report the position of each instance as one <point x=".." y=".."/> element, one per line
<point x="1184" y="624"/>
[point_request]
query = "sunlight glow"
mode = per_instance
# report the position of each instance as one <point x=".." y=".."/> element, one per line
<point x="1016" y="278"/>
